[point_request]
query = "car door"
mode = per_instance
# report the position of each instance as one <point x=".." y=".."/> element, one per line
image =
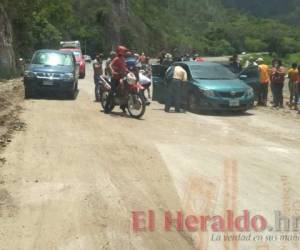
<point x="159" y="85"/>
<point x="250" y="76"/>
<point x="186" y="87"/>
<point x="76" y="67"/>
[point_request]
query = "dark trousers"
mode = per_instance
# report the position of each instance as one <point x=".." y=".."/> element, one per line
<point x="277" y="90"/>
<point x="294" y="93"/>
<point x="173" y="95"/>
<point x="263" y="93"/>
<point x="97" y="87"/>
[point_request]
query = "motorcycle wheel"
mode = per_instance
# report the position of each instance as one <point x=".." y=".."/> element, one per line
<point x="110" y="105"/>
<point x="103" y="98"/>
<point x="97" y="96"/>
<point x="136" y="105"/>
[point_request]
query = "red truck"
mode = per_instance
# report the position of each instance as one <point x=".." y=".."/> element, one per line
<point x="74" y="46"/>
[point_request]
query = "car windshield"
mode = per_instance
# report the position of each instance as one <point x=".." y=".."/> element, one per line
<point x="77" y="53"/>
<point x="52" y="59"/>
<point x="211" y="72"/>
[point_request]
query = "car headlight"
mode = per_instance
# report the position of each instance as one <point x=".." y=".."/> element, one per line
<point x="68" y="76"/>
<point x="249" y="92"/>
<point x="29" y="74"/>
<point x="208" y="93"/>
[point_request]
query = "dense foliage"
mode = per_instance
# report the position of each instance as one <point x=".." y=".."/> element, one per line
<point x="202" y="26"/>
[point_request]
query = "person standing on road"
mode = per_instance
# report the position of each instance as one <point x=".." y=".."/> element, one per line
<point x="293" y="85"/>
<point x="264" y="80"/>
<point x="168" y="60"/>
<point x="108" y="61"/>
<point x="277" y="82"/>
<point x="175" y="87"/>
<point x="297" y="91"/>
<point x="148" y="73"/>
<point x="142" y="58"/>
<point x="98" y="71"/>
<point x="251" y="62"/>
<point x="235" y="64"/>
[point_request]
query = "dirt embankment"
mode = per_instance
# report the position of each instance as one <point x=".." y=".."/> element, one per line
<point x="11" y="98"/>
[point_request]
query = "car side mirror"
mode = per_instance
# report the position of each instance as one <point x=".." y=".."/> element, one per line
<point x="243" y="77"/>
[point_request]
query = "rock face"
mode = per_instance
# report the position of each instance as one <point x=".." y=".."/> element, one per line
<point x="7" y="57"/>
<point x="119" y="17"/>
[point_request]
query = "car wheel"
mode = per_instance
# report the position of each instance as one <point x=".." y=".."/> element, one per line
<point x="28" y="93"/>
<point x="72" y="94"/>
<point x="192" y="103"/>
<point x="242" y="112"/>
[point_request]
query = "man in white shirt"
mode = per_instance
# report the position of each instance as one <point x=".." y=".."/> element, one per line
<point x="175" y="88"/>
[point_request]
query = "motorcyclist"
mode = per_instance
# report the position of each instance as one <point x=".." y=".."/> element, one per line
<point x="118" y="70"/>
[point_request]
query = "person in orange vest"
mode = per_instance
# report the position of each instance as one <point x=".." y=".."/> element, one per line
<point x="293" y="85"/>
<point x="264" y="79"/>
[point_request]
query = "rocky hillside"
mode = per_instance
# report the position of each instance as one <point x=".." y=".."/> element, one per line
<point x="212" y="27"/>
<point x="7" y="58"/>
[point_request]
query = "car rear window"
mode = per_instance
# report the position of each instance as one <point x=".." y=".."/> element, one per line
<point x="52" y="59"/>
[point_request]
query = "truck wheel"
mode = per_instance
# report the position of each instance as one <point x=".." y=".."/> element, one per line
<point x="82" y="75"/>
<point x="72" y="94"/>
<point x="28" y="93"/>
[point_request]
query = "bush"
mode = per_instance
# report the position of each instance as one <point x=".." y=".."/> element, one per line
<point x="254" y="44"/>
<point x="7" y="74"/>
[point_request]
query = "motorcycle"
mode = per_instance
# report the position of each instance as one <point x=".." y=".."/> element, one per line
<point x="128" y="96"/>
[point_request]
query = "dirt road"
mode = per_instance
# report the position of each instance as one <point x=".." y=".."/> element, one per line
<point x="72" y="179"/>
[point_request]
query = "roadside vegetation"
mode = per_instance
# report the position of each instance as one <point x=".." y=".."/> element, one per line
<point x="207" y="27"/>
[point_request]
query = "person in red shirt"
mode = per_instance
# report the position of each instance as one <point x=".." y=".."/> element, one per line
<point x="118" y="70"/>
<point x="118" y="64"/>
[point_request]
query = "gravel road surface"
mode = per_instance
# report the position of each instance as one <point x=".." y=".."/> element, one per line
<point x="72" y="176"/>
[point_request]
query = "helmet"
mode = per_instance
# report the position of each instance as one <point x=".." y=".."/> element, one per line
<point x="121" y="50"/>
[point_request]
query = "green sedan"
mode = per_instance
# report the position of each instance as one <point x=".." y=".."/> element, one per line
<point x="210" y="86"/>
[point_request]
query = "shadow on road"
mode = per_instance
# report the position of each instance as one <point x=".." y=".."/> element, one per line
<point x="210" y="113"/>
<point x="53" y="96"/>
<point x="224" y="113"/>
<point x="121" y="114"/>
